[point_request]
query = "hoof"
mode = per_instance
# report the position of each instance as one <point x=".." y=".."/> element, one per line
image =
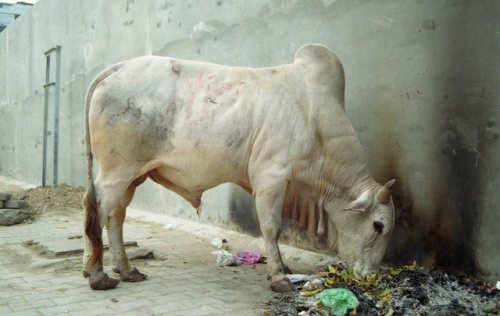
<point x="133" y="276"/>
<point x="282" y="286"/>
<point x="102" y="282"/>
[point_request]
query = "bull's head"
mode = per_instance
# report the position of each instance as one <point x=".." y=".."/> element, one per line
<point x="364" y="228"/>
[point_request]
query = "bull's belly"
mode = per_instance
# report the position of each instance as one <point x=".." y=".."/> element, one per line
<point x="198" y="172"/>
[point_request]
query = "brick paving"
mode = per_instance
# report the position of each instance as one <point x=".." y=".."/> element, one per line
<point x="183" y="279"/>
<point x="180" y="283"/>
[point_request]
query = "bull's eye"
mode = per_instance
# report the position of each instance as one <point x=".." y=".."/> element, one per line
<point x="378" y="226"/>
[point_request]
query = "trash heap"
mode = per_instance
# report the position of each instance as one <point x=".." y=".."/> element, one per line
<point x="408" y="290"/>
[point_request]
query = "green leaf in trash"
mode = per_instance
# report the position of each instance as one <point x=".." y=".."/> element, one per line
<point x="378" y="293"/>
<point x="390" y="311"/>
<point x="311" y="292"/>
<point x="339" y="300"/>
<point x="385" y="299"/>
<point x="411" y="267"/>
<point x="332" y="269"/>
<point x="394" y="271"/>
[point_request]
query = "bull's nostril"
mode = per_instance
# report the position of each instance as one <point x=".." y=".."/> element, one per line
<point x="378" y="227"/>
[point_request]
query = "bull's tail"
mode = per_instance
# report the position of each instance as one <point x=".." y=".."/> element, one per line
<point x="93" y="229"/>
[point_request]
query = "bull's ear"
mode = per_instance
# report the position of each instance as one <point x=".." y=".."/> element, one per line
<point x="360" y="204"/>
<point x="384" y="194"/>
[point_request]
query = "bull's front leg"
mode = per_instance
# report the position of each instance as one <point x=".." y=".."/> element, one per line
<point x="269" y="202"/>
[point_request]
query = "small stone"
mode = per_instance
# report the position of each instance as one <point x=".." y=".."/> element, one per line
<point x="4" y="196"/>
<point x="114" y="300"/>
<point x="140" y="253"/>
<point x="10" y="217"/>
<point x="15" y="204"/>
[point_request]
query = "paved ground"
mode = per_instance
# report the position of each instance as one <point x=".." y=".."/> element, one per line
<point x="183" y="279"/>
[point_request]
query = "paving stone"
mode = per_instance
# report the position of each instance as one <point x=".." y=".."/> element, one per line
<point x="31" y="305"/>
<point x="55" y="248"/>
<point x="4" y="196"/>
<point x="52" y="310"/>
<point x="5" y="310"/>
<point x="15" y="204"/>
<point x="10" y="217"/>
<point x="140" y="253"/>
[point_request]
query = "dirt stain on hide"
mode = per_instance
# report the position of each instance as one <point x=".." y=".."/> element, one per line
<point x="132" y="109"/>
<point x="153" y="128"/>
<point x="161" y="122"/>
<point x="234" y="140"/>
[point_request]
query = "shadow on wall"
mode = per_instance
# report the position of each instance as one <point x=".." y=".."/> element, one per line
<point x="466" y="105"/>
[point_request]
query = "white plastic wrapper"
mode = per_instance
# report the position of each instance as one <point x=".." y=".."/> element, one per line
<point x="216" y="242"/>
<point x="225" y="258"/>
<point x="296" y="277"/>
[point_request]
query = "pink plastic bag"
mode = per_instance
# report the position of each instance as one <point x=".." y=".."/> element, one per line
<point x="249" y="257"/>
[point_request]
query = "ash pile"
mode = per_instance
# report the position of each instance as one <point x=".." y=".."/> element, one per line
<point x="409" y="290"/>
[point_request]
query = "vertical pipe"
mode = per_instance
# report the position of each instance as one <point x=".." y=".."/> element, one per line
<point x="56" y="113"/>
<point x="45" y="119"/>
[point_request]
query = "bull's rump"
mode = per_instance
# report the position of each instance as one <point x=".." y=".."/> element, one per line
<point x="198" y="123"/>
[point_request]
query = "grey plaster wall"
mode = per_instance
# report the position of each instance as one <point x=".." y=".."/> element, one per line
<point x="422" y="91"/>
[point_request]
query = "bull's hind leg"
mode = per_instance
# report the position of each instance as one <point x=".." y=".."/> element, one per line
<point x="108" y="193"/>
<point x="115" y="236"/>
<point x="269" y="203"/>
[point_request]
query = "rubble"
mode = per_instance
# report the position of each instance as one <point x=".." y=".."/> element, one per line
<point x="12" y="211"/>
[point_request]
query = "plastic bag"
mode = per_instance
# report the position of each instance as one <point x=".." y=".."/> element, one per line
<point x="249" y="257"/>
<point x="296" y="277"/>
<point x="225" y="258"/>
<point x="338" y="300"/>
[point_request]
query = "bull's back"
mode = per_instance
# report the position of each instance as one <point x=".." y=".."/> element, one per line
<point x="195" y="119"/>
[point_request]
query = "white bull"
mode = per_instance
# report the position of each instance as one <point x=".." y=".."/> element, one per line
<point x="280" y="132"/>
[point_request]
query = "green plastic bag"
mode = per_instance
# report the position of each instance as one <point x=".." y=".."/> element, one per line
<point x="339" y="300"/>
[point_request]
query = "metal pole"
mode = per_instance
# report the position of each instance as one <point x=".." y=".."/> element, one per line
<point x="56" y="112"/>
<point x="45" y="119"/>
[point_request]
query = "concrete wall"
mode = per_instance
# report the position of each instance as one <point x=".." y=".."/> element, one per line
<point x="422" y="91"/>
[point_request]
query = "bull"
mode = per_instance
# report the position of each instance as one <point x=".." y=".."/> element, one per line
<point x="280" y="132"/>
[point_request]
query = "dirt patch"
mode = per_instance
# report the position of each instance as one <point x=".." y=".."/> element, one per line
<point x="60" y="199"/>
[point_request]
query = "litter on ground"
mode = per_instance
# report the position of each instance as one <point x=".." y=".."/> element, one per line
<point x="407" y="290"/>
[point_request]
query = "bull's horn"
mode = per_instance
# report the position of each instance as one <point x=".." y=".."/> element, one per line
<point x="384" y="194"/>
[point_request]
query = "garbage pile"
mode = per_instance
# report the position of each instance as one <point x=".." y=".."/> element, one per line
<point x="408" y="290"/>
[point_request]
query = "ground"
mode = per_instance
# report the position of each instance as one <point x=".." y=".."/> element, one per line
<point x="41" y="273"/>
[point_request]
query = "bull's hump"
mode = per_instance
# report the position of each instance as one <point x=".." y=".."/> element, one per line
<point x="314" y="53"/>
